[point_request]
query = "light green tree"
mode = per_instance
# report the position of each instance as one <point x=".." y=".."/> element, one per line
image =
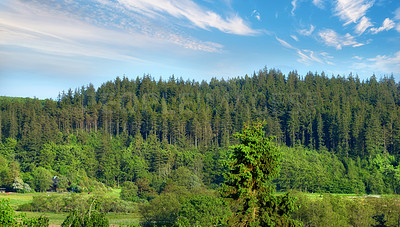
<point x="42" y="179"/>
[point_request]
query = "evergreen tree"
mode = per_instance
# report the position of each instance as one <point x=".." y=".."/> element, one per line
<point x="254" y="164"/>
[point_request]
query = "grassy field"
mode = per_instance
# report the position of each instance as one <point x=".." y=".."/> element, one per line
<point x="116" y="219"/>
<point x="17" y="199"/>
<point x="124" y="219"/>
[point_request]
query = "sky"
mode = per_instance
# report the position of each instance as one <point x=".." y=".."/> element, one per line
<point x="50" y="46"/>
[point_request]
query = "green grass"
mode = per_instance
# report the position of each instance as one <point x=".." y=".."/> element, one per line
<point x="115" y="192"/>
<point x="17" y="199"/>
<point x="116" y="219"/>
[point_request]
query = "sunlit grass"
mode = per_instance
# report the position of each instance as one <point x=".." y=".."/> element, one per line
<point x="17" y="199"/>
<point x="119" y="219"/>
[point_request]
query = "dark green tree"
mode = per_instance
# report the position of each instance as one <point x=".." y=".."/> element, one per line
<point x="254" y="164"/>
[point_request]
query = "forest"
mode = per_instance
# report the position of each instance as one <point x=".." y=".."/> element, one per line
<point x="335" y="134"/>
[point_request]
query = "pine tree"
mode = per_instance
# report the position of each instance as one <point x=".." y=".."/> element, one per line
<point x="254" y="164"/>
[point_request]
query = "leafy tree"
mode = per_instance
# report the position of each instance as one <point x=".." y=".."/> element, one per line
<point x="42" y="179"/>
<point x="129" y="191"/>
<point x="20" y="186"/>
<point x="161" y="210"/>
<point x="91" y="217"/>
<point x="254" y="163"/>
<point x="203" y="210"/>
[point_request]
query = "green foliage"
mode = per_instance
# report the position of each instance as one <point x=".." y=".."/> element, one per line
<point x="336" y="210"/>
<point x="42" y="179"/>
<point x="129" y="191"/>
<point x="8" y="217"/>
<point x="203" y="210"/>
<point x="92" y="217"/>
<point x="254" y="164"/>
<point x="163" y="209"/>
<point x="7" y="214"/>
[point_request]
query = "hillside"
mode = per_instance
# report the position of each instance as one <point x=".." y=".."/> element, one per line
<point x="149" y="129"/>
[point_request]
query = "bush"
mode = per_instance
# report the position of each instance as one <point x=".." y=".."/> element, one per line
<point x="9" y="218"/>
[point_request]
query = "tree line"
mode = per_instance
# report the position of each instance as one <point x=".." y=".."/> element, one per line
<point x="144" y="130"/>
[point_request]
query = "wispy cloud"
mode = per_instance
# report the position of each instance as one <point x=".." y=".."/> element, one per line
<point x="397" y="14"/>
<point x="105" y="29"/>
<point x="381" y="63"/>
<point x="191" y="11"/>
<point x="331" y="38"/>
<point x="295" y="38"/>
<point x="363" y="25"/>
<point x="307" y="56"/>
<point x="294" y="5"/>
<point x="350" y="11"/>
<point x="256" y="14"/>
<point x="386" y="26"/>
<point x="318" y="3"/>
<point x="284" y="43"/>
<point x="307" y="32"/>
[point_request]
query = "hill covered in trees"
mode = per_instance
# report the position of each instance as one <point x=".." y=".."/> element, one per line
<point x="338" y="134"/>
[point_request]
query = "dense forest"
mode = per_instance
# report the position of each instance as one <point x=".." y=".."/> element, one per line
<point x="336" y="134"/>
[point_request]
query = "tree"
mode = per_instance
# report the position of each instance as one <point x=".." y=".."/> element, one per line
<point x="42" y="179"/>
<point x="203" y="210"/>
<point x="254" y="164"/>
<point x="91" y="217"/>
<point x="129" y="191"/>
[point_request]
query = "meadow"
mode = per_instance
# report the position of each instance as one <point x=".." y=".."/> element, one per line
<point x="56" y="218"/>
<point x="311" y="203"/>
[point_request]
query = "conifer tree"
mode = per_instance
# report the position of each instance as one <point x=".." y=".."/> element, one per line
<point x="254" y="164"/>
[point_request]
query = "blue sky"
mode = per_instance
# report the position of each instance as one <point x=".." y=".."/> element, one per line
<point x="47" y="46"/>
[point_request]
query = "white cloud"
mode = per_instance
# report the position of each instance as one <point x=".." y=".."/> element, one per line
<point x="307" y="56"/>
<point x="295" y="38"/>
<point x="284" y="43"/>
<point x="350" y="11"/>
<point x="397" y="14"/>
<point x="381" y="63"/>
<point x="256" y="14"/>
<point x="331" y="38"/>
<point x="188" y="9"/>
<point x="307" y="32"/>
<point x="386" y="26"/>
<point x="363" y="25"/>
<point x="358" y="58"/>
<point x="318" y="3"/>
<point x="398" y="28"/>
<point x="66" y="29"/>
<point x="294" y="5"/>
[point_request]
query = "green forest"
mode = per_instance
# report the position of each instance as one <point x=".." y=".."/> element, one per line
<point x="157" y="139"/>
